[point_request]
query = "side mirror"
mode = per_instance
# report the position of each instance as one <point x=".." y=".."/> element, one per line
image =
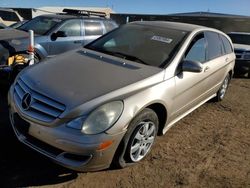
<point x="191" y="66"/>
<point x="54" y="36"/>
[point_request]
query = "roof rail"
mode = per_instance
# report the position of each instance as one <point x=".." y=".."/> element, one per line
<point x="84" y="12"/>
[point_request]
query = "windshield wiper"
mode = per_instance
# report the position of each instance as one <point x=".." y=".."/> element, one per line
<point x="118" y="54"/>
<point x="128" y="57"/>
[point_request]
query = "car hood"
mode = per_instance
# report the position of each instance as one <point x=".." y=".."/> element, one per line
<point x="8" y="34"/>
<point x="241" y="46"/>
<point x="79" y="76"/>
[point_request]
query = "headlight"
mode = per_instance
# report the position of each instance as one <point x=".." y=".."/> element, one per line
<point x="100" y="119"/>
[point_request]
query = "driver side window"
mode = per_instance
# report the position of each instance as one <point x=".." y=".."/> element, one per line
<point x="197" y="49"/>
<point x="71" y="28"/>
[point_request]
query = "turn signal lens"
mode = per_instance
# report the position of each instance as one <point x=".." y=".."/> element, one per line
<point x="105" y="145"/>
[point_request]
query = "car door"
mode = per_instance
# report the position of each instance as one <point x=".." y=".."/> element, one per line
<point x="92" y="30"/>
<point x="73" y="37"/>
<point x="190" y="86"/>
<point x="215" y="68"/>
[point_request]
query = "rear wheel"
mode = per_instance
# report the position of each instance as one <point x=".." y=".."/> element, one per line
<point x="223" y="89"/>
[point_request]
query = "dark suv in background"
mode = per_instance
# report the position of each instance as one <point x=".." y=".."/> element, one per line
<point x="55" y="33"/>
<point x="241" y="42"/>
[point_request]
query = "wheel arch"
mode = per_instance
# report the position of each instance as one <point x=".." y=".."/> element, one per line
<point x="40" y="51"/>
<point x="231" y="74"/>
<point x="161" y="113"/>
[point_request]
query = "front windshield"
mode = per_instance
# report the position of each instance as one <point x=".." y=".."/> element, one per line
<point x="141" y="43"/>
<point x="40" y="25"/>
<point x="240" y="38"/>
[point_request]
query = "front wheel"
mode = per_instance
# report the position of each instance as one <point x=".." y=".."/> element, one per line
<point x="138" y="140"/>
<point x="141" y="140"/>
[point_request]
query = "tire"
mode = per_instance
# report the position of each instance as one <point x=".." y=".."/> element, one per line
<point x="138" y="140"/>
<point x="223" y="89"/>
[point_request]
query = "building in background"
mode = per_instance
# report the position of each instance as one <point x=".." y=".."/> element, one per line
<point x="224" y="22"/>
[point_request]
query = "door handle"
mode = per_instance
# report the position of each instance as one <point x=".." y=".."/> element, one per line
<point x="227" y="59"/>
<point x="206" y="69"/>
<point x="77" y="42"/>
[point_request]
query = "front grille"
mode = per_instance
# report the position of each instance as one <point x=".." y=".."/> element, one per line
<point x="41" y="107"/>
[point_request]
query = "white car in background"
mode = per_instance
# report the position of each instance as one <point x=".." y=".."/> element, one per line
<point x="9" y="16"/>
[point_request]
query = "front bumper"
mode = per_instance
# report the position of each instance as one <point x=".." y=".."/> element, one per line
<point x="65" y="146"/>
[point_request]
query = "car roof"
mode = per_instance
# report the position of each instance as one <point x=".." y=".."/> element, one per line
<point x="171" y="25"/>
<point x="69" y="16"/>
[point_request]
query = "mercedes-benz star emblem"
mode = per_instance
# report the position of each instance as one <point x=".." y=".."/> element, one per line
<point x="26" y="101"/>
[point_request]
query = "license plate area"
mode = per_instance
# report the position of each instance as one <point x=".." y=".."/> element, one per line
<point x="21" y="125"/>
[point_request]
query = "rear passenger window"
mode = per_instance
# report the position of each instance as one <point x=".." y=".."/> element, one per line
<point x="197" y="49"/>
<point x="215" y="46"/>
<point x="227" y="45"/>
<point x="93" y="28"/>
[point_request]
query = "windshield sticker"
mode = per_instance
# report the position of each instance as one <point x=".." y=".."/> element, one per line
<point x="162" y="39"/>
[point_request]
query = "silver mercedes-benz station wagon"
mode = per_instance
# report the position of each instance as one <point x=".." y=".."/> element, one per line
<point x="106" y="103"/>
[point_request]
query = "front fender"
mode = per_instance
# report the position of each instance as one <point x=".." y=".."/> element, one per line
<point x="40" y="50"/>
<point x="23" y="47"/>
<point x="19" y="46"/>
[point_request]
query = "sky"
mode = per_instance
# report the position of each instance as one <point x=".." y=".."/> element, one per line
<point x="239" y="7"/>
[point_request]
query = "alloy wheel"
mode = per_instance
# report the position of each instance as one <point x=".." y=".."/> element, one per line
<point x="224" y="88"/>
<point x="142" y="141"/>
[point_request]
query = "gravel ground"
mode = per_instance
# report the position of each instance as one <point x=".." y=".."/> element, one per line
<point x="208" y="148"/>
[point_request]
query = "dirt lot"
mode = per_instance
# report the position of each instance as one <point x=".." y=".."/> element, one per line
<point x="209" y="148"/>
